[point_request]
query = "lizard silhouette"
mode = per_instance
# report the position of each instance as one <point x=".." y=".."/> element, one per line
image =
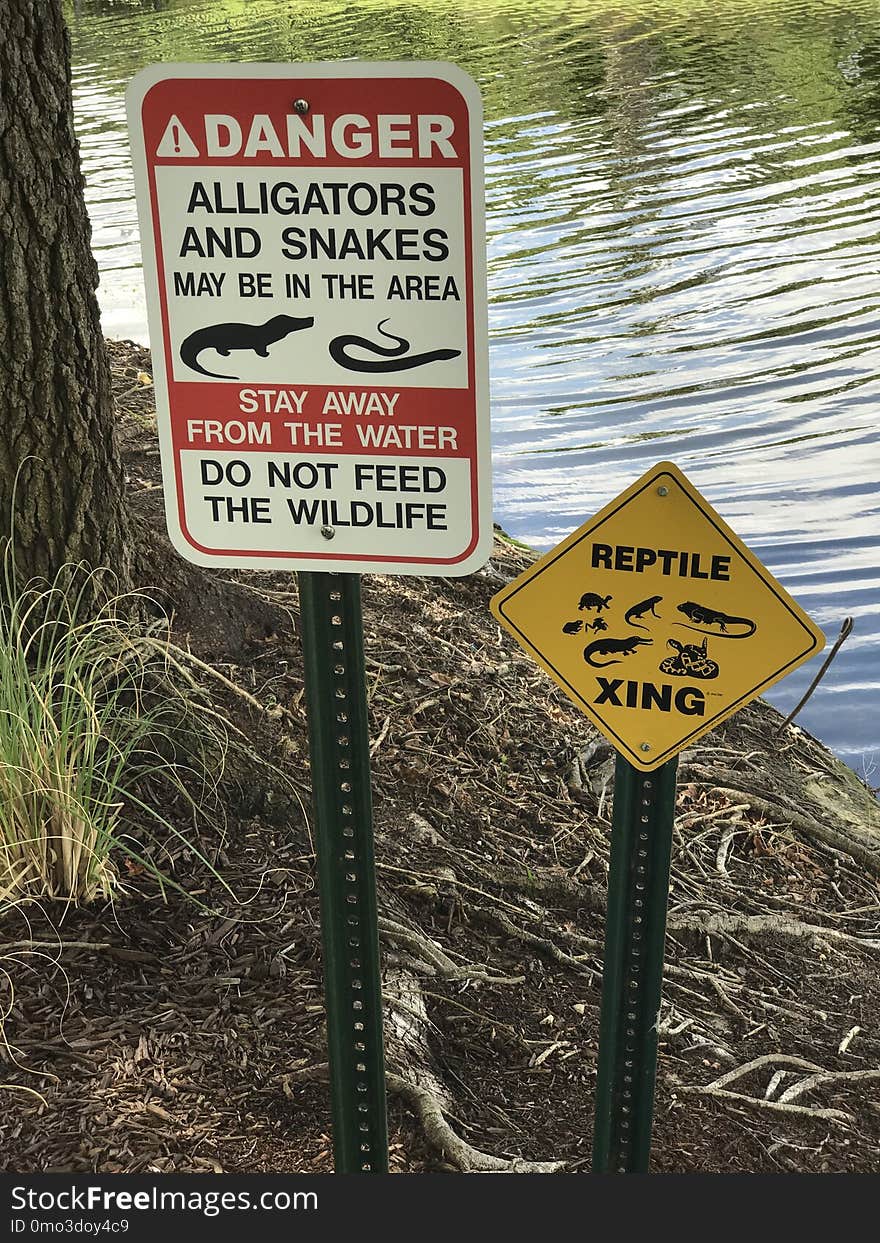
<point x="705" y="616"/>
<point x="639" y="610"/>
<point x="227" y="337"/>
<point x="608" y="647"/>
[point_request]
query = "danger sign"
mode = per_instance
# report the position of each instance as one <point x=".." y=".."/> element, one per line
<point x="314" y="255"/>
<point x="656" y="620"/>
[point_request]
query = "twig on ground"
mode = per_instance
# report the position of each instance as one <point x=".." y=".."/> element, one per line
<point x="543" y="944"/>
<point x="845" y="631"/>
<point x="767" y="1059"/>
<point x="724" y="845"/>
<point x="867" y="856"/>
<point x="163" y="648"/>
<point x="380" y="737"/>
<point x="848" y="1039"/>
<point x="826" y="1077"/>
<point x="826" y="1115"/>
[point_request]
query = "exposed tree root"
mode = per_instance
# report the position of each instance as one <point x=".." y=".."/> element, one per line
<point x="462" y="1155"/>
<point x="717" y="923"/>
<point x="552" y="888"/>
<point x="497" y="919"/>
<point x="416" y="1079"/>
<point x="803" y="1111"/>
<point x="428" y="1106"/>
<point x="417" y="1082"/>
<point x="824" y="1078"/>
<point x="817" y="1078"/>
<point x="430" y="957"/>
<point x="757" y="1063"/>
<point x="860" y="849"/>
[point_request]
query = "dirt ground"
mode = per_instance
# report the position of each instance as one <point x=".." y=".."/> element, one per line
<point x="168" y="1032"/>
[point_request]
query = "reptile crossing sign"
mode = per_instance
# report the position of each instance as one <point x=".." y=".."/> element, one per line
<point x="659" y="623"/>
<point x="656" y="620"/>
<point x="314" y="254"/>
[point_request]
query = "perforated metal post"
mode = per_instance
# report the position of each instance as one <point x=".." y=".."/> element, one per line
<point x="638" y="890"/>
<point x="336" y="697"/>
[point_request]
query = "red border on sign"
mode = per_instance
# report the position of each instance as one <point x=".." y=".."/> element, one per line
<point x="191" y="98"/>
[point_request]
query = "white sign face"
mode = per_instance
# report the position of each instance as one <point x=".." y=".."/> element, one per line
<point x="314" y="252"/>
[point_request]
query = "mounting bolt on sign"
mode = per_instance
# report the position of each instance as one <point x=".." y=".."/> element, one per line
<point x="659" y="624"/>
<point x="314" y="258"/>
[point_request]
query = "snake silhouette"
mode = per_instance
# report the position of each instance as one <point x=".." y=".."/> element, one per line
<point x="392" y="356"/>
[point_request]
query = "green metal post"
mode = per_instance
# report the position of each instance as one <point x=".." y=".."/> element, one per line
<point x="638" y="890"/>
<point x="333" y="651"/>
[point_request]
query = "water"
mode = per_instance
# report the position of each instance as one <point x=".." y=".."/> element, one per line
<point x="684" y="240"/>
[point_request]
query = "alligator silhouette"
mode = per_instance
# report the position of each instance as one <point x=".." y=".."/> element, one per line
<point x="614" y="648"/>
<point x="227" y="337"/>
<point x="392" y="356"/>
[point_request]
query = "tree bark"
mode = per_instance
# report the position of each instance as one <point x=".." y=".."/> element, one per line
<point x="57" y="435"/>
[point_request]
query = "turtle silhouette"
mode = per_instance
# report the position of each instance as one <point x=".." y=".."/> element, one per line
<point x="589" y="600"/>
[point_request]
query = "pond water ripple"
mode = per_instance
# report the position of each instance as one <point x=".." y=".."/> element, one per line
<point x="683" y="238"/>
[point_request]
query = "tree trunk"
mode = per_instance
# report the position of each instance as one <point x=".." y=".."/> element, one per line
<point x="56" y="411"/>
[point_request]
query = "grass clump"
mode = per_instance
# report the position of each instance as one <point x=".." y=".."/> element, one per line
<point x="99" y="725"/>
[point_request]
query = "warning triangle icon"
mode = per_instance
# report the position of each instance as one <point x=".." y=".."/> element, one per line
<point x="176" y="142"/>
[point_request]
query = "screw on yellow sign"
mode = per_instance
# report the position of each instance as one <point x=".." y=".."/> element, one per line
<point x="656" y="620"/>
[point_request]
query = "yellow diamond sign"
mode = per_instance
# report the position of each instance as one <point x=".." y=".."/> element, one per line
<point x="656" y="620"/>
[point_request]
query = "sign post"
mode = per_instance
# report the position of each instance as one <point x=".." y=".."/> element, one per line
<point x="314" y="257"/>
<point x="638" y="886"/>
<point x="614" y="614"/>
<point x="330" y="613"/>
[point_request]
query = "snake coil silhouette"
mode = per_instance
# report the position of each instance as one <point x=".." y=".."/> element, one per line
<point x="392" y="357"/>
